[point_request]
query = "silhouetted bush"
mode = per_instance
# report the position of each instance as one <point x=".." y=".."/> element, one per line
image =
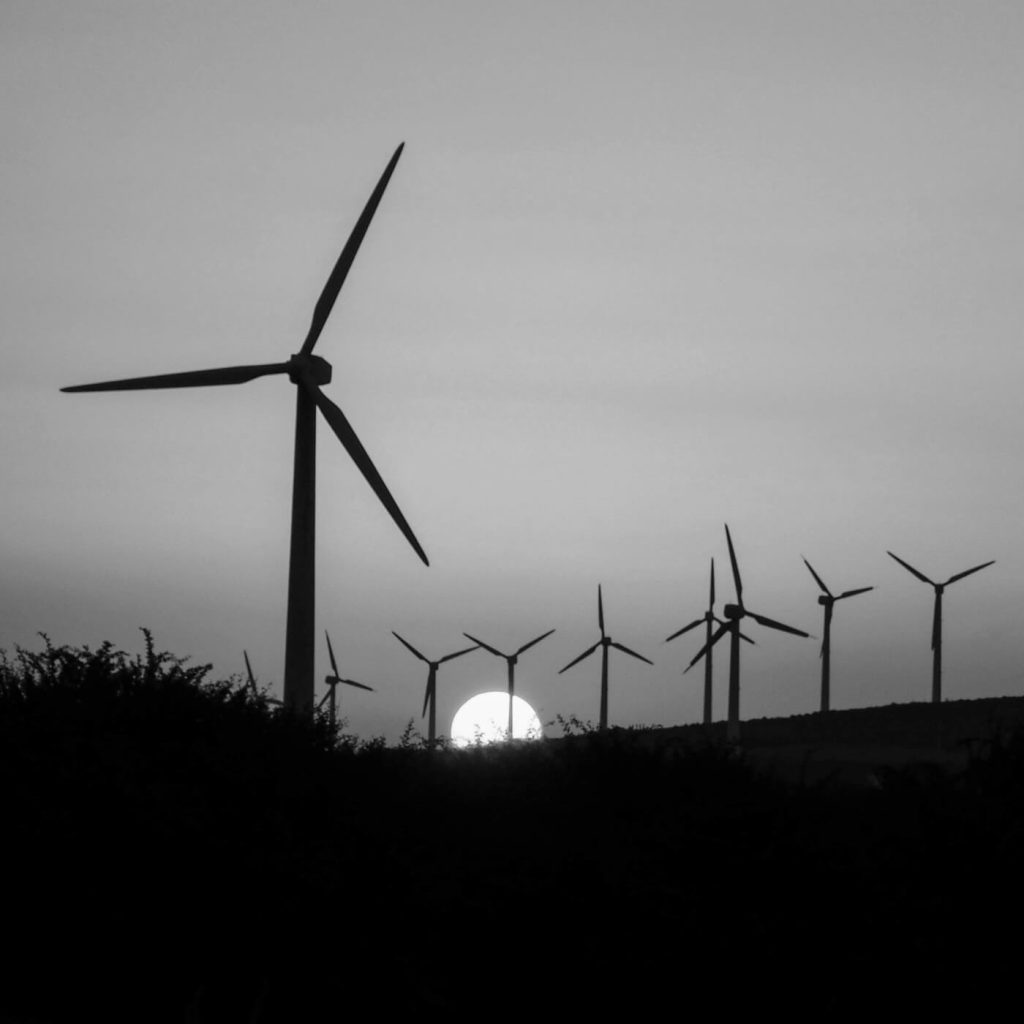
<point x="180" y="849"/>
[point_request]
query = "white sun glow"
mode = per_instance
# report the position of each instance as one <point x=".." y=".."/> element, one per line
<point x="484" y="719"/>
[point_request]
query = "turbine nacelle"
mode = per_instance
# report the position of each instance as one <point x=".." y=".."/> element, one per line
<point x="825" y="600"/>
<point x="733" y="611"/>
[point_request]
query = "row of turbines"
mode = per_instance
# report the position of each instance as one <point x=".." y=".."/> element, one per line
<point x="715" y="630"/>
<point x="309" y="372"/>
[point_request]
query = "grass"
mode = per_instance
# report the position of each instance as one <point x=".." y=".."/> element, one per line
<point x="178" y="849"/>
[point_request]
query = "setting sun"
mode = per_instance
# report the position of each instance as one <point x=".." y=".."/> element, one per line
<point x="484" y="719"/>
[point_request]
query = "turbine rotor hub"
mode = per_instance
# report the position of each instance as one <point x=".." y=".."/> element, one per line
<point x="939" y="588"/>
<point x="824" y="599"/>
<point x="315" y="368"/>
<point x="732" y="611"/>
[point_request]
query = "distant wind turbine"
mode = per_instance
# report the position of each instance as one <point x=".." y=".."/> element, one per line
<point x="332" y="682"/>
<point x="251" y="682"/>
<point x="605" y="642"/>
<point x="307" y="372"/>
<point x="937" y="617"/>
<point x="826" y="599"/>
<point x="511" y="660"/>
<point x="710" y="620"/>
<point x="430" y="695"/>
<point x="734" y="613"/>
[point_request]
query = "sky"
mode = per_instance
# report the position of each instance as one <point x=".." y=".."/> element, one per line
<point x="643" y="269"/>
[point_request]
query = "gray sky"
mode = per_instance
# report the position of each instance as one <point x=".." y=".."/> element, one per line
<point x="643" y="268"/>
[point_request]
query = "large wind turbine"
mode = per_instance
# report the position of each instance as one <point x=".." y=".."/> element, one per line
<point x="511" y="660"/>
<point x="332" y="682"/>
<point x="734" y="613"/>
<point x="827" y="599"/>
<point x="430" y="694"/>
<point x="307" y="372"/>
<point x="710" y="620"/>
<point x="937" y="618"/>
<point x="605" y="642"/>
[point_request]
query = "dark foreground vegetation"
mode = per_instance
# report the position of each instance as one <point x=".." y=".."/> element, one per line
<point x="176" y="849"/>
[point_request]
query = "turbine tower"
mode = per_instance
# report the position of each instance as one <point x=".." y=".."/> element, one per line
<point x="605" y="642"/>
<point x="937" y="617"/>
<point x="430" y="695"/>
<point x="307" y="372"/>
<point x="710" y="620"/>
<point x="826" y="599"/>
<point x="734" y="614"/>
<point x="332" y="682"/>
<point x="511" y="659"/>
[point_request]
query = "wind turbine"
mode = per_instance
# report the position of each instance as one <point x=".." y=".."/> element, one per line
<point x="937" y="617"/>
<point x="307" y="372"/>
<point x="251" y="682"/>
<point x="605" y="642"/>
<point x="430" y="695"/>
<point x="710" y="620"/>
<point x="827" y="599"/>
<point x="332" y="682"/>
<point x="734" y="614"/>
<point x="511" y="659"/>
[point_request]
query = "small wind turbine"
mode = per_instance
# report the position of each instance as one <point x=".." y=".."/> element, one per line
<point x="937" y="618"/>
<point x="710" y="620"/>
<point x="605" y="642"/>
<point x="734" y="613"/>
<point x="511" y="659"/>
<point x="251" y="683"/>
<point x="826" y="599"/>
<point x="430" y="695"/>
<point x="307" y="372"/>
<point x="332" y="682"/>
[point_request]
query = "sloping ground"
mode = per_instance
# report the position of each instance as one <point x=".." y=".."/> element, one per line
<point x="183" y="853"/>
<point x="855" y="745"/>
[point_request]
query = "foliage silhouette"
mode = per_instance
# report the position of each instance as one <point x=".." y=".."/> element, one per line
<point x="184" y="850"/>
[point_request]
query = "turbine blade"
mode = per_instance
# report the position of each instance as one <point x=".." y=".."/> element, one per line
<point x="719" y="633"/>
<point x="526" y="647"/>
<point x="576" y="661"/>
<point x="743" y="636"/>
<point x="248" y="669"/>
<point x="600" y="610"/>
<point x="191" y="379"/>
<point x="352" y="682"/>
<point x="967" y="572"/>
<point x="626" y="650"/>
<point x="853" y="593"/>
<point x="920" y="575"/>
<point x="486" y="647"/>
<point x="735" y="568"/>
<point x="936" y="623"/>
<point x="685" y="629"/>
<point x="821" y="582"/>
<point x="410" y="646"/>
<point x="772" y="624"/>
<point x="711" y="597"/>
<point x="457" y="654"/>
<point x="320" y="703"/>
<point x="347" y="436"/>
<point x="427" y="694"/>
<point x="328" y="296"/>
<point x="330" y="651"/>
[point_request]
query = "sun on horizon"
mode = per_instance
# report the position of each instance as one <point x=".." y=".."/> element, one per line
<point x="484" y="719"/>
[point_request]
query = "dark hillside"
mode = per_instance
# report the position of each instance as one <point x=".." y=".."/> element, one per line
<point x="179" y="850"/>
